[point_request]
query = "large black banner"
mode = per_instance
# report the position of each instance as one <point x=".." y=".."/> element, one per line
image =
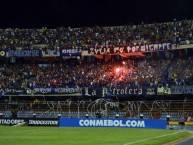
<point x="123" y="91"/>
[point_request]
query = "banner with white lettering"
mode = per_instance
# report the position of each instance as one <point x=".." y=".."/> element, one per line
<point x="75" y="91"/>
<point x="119" y="91"/>
<point x="30" y="122"/>
<point x="23" y="53"/>
<point x="112" y="122"/>
<point x="8" y="91"/>
<point x="130" y="49"/>
<point x="12" y="121"/>
<point x="43" y="122"/>
<point x="71" y="52"/>
<point x="182" y="89"/>
<point x="44" y="91"/>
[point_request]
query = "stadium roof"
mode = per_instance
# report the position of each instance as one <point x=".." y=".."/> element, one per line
<point x="53" y="13"/>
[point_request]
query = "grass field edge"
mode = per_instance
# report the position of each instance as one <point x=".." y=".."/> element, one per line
<point x="180" y="139"/>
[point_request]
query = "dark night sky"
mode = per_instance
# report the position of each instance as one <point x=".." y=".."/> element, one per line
<point x="53" y="13"/>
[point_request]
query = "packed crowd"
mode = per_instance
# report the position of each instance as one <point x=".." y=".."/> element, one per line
<point x="77" y="74"/>
<point x="87" y="37"/>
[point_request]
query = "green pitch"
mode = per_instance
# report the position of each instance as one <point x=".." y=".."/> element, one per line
<point x="86" y="136"/>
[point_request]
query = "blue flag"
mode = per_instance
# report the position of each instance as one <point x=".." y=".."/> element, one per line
<point x="165" y="76"/>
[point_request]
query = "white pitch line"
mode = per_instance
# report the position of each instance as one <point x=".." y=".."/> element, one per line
<point x="151" y="138"/>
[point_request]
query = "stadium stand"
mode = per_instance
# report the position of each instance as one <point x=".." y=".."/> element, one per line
<point x="61" y="37"/>
<point x="36" y="78"/>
